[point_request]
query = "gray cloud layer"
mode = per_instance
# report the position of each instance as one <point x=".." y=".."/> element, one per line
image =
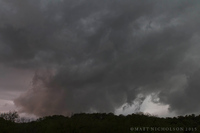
<point x="95" y="55"/>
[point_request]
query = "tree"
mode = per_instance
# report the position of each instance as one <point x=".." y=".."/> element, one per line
<point x="10" y="116"/>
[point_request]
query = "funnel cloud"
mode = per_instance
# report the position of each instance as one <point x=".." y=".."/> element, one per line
<point x="97" y="55"/>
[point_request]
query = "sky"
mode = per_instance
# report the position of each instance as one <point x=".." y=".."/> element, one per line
<point x="120" y="56"/>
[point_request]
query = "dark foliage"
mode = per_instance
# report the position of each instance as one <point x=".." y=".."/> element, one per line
<point x="10" y="116"/>
<point x="102" y="123"/>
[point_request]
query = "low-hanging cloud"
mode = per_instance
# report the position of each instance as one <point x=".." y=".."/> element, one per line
<point x="96" y="55"/>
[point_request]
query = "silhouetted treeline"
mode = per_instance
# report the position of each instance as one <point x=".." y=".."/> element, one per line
<point x="104" y="123"/>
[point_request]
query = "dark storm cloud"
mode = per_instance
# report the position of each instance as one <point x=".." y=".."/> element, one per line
<point x="92" y="55"/>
